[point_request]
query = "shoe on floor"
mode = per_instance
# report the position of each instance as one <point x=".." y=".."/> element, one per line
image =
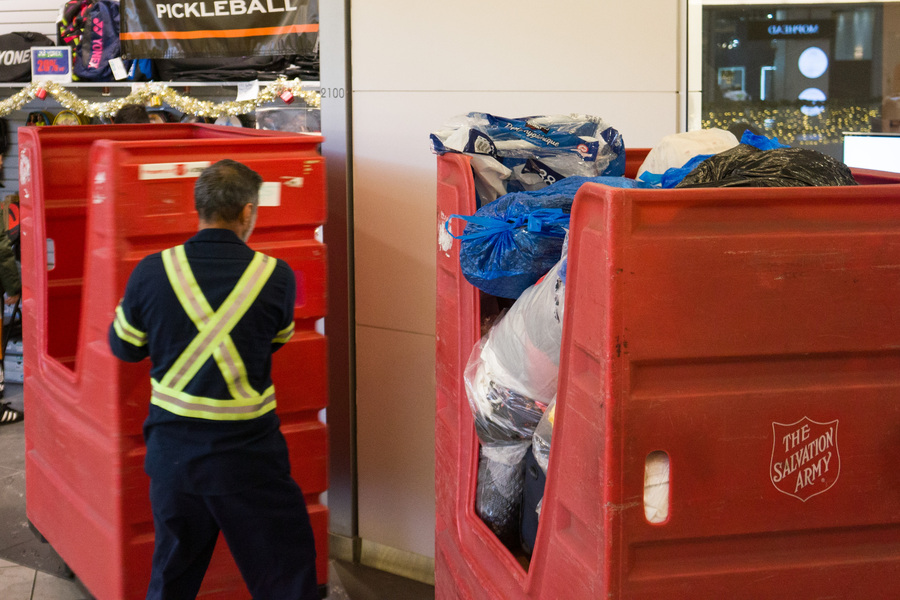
<point x="8" y="414"/>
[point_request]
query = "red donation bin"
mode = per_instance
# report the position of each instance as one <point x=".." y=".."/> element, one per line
<point x="94" y="201"/>
<point x="749" y="335"/>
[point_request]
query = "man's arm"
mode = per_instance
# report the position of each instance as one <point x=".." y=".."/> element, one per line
<point x="287" y="317"/>
<point x="127" y="334"/>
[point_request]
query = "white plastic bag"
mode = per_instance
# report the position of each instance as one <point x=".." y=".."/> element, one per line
<point x="674" y="151"/>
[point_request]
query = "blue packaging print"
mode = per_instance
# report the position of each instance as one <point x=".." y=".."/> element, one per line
<point x="541" y="135"/>
<point x="547" y="175"/>
<point x="480" y="143"/>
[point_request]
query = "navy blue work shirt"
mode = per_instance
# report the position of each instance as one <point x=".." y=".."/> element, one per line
<point x="197" y="455"/>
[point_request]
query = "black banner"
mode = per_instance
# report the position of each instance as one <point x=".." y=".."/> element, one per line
<point x="218" y="28"/>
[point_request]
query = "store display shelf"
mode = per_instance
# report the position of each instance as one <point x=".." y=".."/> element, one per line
<point x="119" y="84"/>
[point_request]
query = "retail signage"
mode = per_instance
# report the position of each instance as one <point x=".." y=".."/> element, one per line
<point x="779" y="30"/>
<point x="217" y="28"/>
<point x="51" y="63"/>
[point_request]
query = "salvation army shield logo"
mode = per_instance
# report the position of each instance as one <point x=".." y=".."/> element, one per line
<point x="805" y="457"/>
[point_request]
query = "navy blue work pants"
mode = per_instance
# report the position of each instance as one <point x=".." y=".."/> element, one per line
<point x="267" y="529"/>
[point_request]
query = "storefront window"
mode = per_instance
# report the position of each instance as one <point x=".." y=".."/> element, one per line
<point x="804" y="73"/>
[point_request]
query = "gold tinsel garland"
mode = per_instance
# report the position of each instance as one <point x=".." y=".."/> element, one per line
<point x="155" y="93"/>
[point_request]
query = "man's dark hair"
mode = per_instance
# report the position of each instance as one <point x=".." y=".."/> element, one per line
<point x="131" y="113"/>
<point x="223" y="189"/>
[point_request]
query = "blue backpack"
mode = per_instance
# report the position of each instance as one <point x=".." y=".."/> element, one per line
<point x="99" y="43"/>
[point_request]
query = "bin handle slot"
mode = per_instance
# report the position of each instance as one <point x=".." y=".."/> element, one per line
<point x="656" y="487"/>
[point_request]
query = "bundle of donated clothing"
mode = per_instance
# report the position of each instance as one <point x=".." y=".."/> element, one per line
<point x="510" y="380"/>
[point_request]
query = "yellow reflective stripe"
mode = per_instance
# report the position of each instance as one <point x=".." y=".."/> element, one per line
<point x="126" y="331"/>
<point x="186" y="405"/>
<point x="219" y="326"/>
<point x="185" y="285"/>
<point x="284" y="335"/>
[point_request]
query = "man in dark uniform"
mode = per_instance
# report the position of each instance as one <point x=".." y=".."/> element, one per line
<point x="209" y="314"/>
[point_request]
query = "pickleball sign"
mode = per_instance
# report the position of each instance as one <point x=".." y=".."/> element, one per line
<point x="217" y="28"/>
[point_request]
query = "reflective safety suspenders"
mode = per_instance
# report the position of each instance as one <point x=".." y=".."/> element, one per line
<point x="126" y="331"/>
<point x="214" y="339"/>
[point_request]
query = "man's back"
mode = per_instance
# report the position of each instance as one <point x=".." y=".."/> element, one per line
<point x="210" y="454"/>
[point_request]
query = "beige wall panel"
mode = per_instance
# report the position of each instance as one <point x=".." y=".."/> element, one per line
<point x="515" y="45"/>
<point x="395" y="435"/>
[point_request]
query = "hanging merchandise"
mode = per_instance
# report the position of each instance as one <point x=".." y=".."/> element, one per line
<point x="246" y="68"/>
<point x="99" y="44"/>
<point x="217" y="29"/>
<point x="747" y="166"/>
<point x="510" y="243"/>
<point x="71" y="22"/>
<point x="67" y="117"/>
<point x="15" y="54"/>
<point x="529" y="153"/>
<point x="39" y="118"/>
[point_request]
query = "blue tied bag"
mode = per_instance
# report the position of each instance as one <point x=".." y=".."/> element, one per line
<point x="512" y="242"/>
<point x="506" y="253"/>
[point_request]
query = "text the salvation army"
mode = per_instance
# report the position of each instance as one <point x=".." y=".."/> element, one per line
<point x="809" y="459"/>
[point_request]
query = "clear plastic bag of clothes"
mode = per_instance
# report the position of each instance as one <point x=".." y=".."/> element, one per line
<point x="510" y="378"/>
<point x="512" y="371"/>
<point x="748" y="166"/>
<point x="509" y="244"/>
<point x="529" y="153"/>
<point x="543" y="436"/>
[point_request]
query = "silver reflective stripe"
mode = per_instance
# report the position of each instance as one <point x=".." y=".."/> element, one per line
<point x="225" y="407"/>
<point x="234" y="371"/>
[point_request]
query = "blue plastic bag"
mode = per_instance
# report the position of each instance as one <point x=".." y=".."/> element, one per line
<point x="761" y="142"/>
<point x="511" y="243"/>
<point x="673" y="176"/>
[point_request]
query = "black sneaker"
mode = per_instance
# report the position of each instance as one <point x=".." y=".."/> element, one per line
<point x="8" y="414"/>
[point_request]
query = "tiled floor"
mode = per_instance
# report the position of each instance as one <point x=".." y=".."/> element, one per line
<point x="31" y="570"/>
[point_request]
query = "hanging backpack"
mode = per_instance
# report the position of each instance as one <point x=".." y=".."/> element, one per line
<point x="99" y="43"/>
<point x="15" y="54"/>
<point x="70" y="24"/>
